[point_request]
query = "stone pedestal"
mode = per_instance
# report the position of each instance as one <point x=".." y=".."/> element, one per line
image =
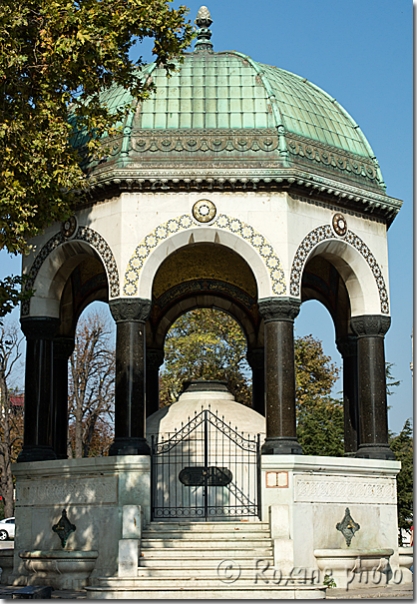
<point x="94" y="492"/>
<point x="304" y="498"/>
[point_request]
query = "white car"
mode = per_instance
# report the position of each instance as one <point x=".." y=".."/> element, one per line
<point x="6" y="529"/>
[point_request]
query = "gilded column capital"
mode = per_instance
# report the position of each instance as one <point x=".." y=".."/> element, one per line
<point x="365" y="326"/>
<point x="279" y="309"/>
<point x="128" y="310"/>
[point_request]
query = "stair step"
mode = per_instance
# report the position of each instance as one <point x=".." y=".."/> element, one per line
<point x="201" y="562"/>
<point x="198" y="583"/>
<point x="236" y="534"/>
<point x="247" y="570"/>
<point x="204" y="544"/>
<point x="220" y="554"/>
<point x="207" y="526"/>
<point x="253" y="592"/>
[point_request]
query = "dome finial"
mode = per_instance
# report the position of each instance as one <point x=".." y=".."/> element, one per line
<point x="203" y="22"/>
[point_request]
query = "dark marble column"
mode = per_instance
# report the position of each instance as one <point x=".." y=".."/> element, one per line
<point x="130" y="316"/>
<point x="63" y="349"/>
<point x="154" y="359"/>
<point x="348" y="348"/>
<point x="372" y="389"/>
<point x="38" y="422"/>
<point x="279" y="315"/>
<point x="256" y="359"/>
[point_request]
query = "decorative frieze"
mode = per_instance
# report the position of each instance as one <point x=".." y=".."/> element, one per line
<point x="337" y="490"/>
<point x="81" y="491"/>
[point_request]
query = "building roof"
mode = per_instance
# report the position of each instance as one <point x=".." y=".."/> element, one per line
<point x="223" y="117"/>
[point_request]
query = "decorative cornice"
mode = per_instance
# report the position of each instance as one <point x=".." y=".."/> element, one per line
<point x="334" y="159"/>
<point x="192" y="141"/>
<point x="279" y="309"/>
<point x="128" y="310"/>
<point x="366" y="326"/>
<point x="236" y="174"/>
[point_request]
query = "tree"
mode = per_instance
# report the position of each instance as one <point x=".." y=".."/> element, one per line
<point x="320" y="429"/>
<point x="58" y="58"/>
<point x="205" y="344"/>
<point x="91" y="388"/>
<point x="11" y="425"/>
<point x="402" y="445"/>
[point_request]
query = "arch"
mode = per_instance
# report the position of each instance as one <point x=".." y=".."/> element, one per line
<point x="59" y="251"/>
<point x="205" y="301"/>
<point x="226" y="230"/>
<point x="353" y="259"/>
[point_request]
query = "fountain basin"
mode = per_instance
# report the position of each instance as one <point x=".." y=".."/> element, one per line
<point x="62" y="569"/>
<point x="355" y="567"/>
<point x="406" y="560"/>
<point x="6" y="564"/>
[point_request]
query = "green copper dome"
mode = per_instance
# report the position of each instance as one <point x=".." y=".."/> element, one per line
<point x="222" y="119"/>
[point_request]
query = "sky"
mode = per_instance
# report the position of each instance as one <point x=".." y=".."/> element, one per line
<point x="361" y="53"/>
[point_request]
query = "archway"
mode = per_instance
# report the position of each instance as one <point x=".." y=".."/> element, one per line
<point x="66" y="276"/>
<point x="339" y="276"/>
<point x="203" y="275"/>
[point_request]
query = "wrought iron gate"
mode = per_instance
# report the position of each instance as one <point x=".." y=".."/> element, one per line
<point x="206" y="470"/>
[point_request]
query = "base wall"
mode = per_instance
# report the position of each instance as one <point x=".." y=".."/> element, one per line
<point x="93" y="491"/>
<point x="310" y="496"/>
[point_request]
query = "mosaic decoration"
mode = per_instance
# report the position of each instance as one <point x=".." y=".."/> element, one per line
<point x="82" y="234"/>
<point x="69" y="227"/>
<point x="226" y="223"/>
<point x="204" y="210"/>
<point x="324" y="233"/>
<point x="339" y="225"/>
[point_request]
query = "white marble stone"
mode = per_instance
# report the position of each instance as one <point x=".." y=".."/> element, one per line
<point x="94" y="492"/>
<point x="318" y="491"/>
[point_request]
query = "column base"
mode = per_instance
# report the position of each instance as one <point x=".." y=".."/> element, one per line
<point x="281" y="446"/>
<point x="36" y="453"/>
<point x="129" y="446"/>
<point x="375" y="451"/>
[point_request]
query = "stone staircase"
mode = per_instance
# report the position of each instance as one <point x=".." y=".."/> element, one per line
<point x="204" y="560"/>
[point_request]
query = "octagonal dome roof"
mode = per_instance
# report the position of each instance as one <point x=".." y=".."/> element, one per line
<point x="224" y="119"/>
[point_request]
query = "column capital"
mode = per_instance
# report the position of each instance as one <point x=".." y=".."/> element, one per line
<point x="39" y="328"/>
<point x="279" y="309"/>
<point x="154" y="358"/>
<point x="256" y="358"/>
<point x="370" y="325"/>
<point x="130" y="309"/>
<point x="63" y="347"/>
<point x="347" y="346"/>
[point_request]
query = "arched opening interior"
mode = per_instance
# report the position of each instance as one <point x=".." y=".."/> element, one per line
<point x="91" y="383"/>
<point x="201" y="276"/>
<point x="205" y="344"/>
<point x="332" y="415"/>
